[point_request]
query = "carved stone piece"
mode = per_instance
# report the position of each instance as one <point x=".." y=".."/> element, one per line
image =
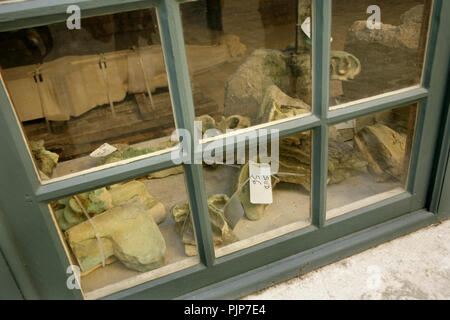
<point x="233" y="122"/>
<point x="46" y="160"/>
<point x="291" y="73"/>
<point x="69" y="213"/>
<point x="278" y="105"/>
<point x="222" y="233"/>
<point x="384" y="149"/>
<point x="127" y="232"/>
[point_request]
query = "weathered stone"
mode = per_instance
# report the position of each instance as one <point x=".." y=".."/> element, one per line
<point x="245" y="89"/>
<point x="137" y="191"/>
<point x="295" y="160"/>
<point x="93" y="202"/>
<point x="233" y="122"/>
<point x="390" y="57"/>
<point x="46" y="160"/>
<point x="222" y="233"/>
<point x="165" y="173"/>
<point x="125" y="151"/>
<point x="301" y="79"/>
<point x="127" y="231"/>
<point x="344" y="66"/>
<point x="295" y="154"/>
<point x="384" y="149"/>
<point x="69" y="213"/>
<point x="291" y="73"/>
<point x="344" y="161"/>
<point x="278" y="105"/>
<point x="406" y="35"/>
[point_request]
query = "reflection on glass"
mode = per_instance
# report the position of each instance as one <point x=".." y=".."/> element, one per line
<point x="368" y="159"/>
<point x="244" y="211"/>
<point x="74" y="90"/>
<point x="383" y="43"/>
<point x="123" y="234"/>
<point x="244" y="57"/>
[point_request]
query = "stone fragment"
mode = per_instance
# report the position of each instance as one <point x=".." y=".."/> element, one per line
<point x="384" y="149"/>
<point x="165" y="173"/>
<point x="233" y="122"/>
<point x="344" y="66"/>
<point x="278" y="105"/>
<point x="405" y="35"/>
<point x="295" y="153"/>
<point x="46" y="160"/>
<point x="245" y="89"/>
<point x="222" y="233"/>
<point x="127" y="231"/>
<point x="344" y="161"/>
<point x="291" y="73"/>
<point x="137" y="191"/>
<point x="383" y="52"/>
<point x="68" y="212"/>
<point x="124" y="151"/>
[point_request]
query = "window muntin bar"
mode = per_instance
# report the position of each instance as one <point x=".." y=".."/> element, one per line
<point x="287" y="127"/>
<point x="376" y="104"/>
<point x="321" y="69"/>
<point x="182" y="102"/>
<point x="115" y="173"/>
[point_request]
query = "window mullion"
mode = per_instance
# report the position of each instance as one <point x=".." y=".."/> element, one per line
<point x="321" y="34"/>
<point x="169" y="20"/>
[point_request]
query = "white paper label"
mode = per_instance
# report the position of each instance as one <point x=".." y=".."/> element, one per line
<point x="260" y="183"/>
<point x="103" y="151"/>
<point x="306" y="27"/>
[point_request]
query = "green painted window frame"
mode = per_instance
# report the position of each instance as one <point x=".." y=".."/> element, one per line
<point x="40" y="258"/>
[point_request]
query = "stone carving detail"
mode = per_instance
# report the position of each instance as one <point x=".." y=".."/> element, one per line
<point x="123" y="218"/>
<point x="291" y="73"/>
<point x="127" y="232"/>
<point x="384" y="149"/>
<point x="69" y="213"/>
<point x="45" y="160"/>
<point x="233" y="122"/>
<point x="222" y="233"/>
<point x="295" y="153"/>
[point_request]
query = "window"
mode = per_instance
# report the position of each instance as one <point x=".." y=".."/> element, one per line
<point x="165" y="146"/>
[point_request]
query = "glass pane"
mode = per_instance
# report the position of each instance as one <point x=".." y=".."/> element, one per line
<point x="74" y="90"/>
<point x="259" y="192"/>
<point x="246" y="57"/>
<point x="122" y="235"/>
<point x="368" y="159"/>
<point x="377" y="47"/>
